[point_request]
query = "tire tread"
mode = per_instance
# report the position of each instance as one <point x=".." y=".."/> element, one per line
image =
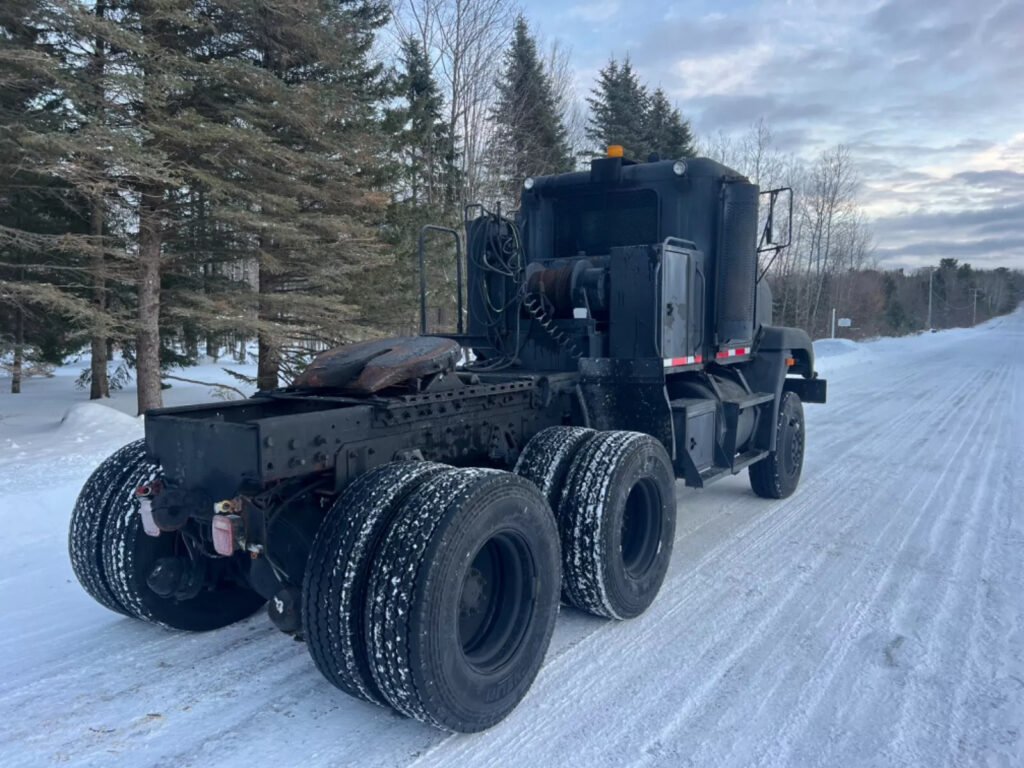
<point x="335" y="585"/>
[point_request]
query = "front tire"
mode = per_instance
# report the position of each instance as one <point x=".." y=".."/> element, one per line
<point x="463" y="598"/>
<point x="777" y="475"/>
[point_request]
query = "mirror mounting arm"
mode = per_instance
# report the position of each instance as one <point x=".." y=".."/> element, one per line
<point x="766" y="242"/>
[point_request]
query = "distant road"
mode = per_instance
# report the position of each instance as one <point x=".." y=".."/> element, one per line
<point x="874" y="619"/>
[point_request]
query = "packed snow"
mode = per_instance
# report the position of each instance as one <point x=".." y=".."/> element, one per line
<point x="876" y="618"/>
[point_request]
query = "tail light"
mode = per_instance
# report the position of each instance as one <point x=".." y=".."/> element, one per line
<point x="227" y="534"/>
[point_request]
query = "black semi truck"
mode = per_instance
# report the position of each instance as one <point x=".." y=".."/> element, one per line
<point x="415" y="509"/>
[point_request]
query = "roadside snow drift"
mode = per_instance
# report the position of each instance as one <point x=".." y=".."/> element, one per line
<point x="875" y="618"/>
<point x="832" y="354"/>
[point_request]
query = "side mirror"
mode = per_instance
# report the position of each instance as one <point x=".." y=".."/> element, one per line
<point x="777" y="232"/>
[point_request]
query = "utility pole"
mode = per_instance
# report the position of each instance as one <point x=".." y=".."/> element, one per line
<point x="833" y="322"/>
<point x="975" y="291"/>
<point x="931" y="272"/>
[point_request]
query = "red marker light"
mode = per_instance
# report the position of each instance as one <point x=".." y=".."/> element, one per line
<point x="226" y="534"/>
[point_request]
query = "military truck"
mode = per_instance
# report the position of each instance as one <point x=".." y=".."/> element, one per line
<point x="416" y="509"/>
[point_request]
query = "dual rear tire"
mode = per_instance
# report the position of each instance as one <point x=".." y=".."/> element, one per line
<point x="430" y="589"/>
<point x="112" y="557"/>
<point x="614" y="493"/>
<point x="434" y="590"/>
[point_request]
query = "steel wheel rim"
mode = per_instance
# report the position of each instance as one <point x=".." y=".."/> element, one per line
<point x="640" y="537"/>
<point x="496" y="601"/>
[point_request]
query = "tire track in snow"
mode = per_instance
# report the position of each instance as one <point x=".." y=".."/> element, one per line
<point x="784" y="617"/>
<point x="995" y="707"/>
<point x="935" y="608"/>
<point x="818" y="687"/>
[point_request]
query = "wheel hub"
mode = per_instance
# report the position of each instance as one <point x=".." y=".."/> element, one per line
<point x="496" y="602"/>
<point x="795" y="448"/>
<point x="474" y="593"/>
<point x="177" y="577"/>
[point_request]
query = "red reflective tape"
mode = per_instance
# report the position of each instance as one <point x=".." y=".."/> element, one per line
<point x="732" y="352"/>
<point x="672" y="362"/>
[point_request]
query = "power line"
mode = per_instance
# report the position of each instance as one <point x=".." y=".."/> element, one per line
<point x="950" y="306"/>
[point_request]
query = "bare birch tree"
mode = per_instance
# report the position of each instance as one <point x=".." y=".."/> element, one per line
<point x="464" y="39"/>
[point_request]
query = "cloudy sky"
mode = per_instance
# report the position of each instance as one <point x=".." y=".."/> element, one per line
<point x="928" y="95"/>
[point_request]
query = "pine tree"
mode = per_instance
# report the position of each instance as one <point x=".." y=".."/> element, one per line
<point x="668" y="134"/>
<point x="618" y="108"/>
<point x="422" y="175"/>
<point x="203" y="144"/>
<point x="112" y="81"/>
<point x="530" y="135"/>
<point x="263" y="116"/>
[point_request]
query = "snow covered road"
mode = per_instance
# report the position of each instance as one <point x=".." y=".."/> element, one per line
<point x="876" y="618"/>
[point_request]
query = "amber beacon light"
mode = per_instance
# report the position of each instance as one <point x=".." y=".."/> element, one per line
<point x="614" y="150"/>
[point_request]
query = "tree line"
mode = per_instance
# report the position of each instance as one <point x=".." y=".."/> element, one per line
<point x="236" y="178"/>
<point x="831" y="264"/>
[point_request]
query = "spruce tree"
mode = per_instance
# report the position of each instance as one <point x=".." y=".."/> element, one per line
<point x="419" y="132"/>
<point x="623" y="112"/>
<point x="530" y="135"/>
<point x="618" y="108"/>
<point x="112" y="80"/>
<point x="667" y="134"/>
<point x="271" y="131"/>
<point x="422" y="173"/>
<point x="220" y="158"/>
<point x="45" y="248"/>
<point x="297" y="143"/>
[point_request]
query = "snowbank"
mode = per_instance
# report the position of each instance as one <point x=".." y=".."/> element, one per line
<point x="834" y="354"/>
<point x="834" y="347"/>
<point x="40" y="449"/>
<point x="92" y="419"/>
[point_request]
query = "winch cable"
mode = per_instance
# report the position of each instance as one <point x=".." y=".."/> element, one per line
<point x="502" y="256"/>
